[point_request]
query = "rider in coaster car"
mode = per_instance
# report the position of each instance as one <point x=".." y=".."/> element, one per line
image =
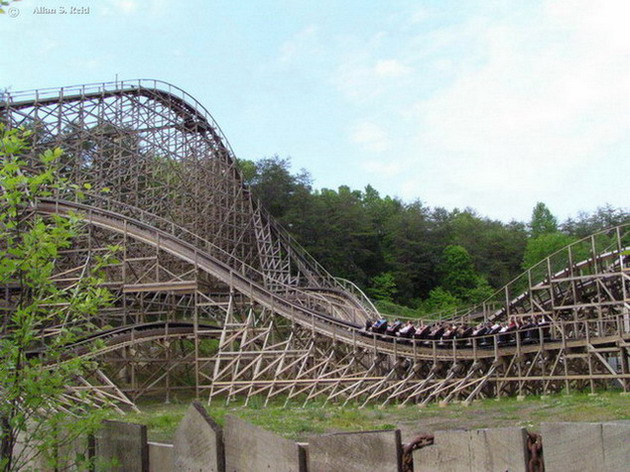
<point x="422" y="331"/>
<point x="394" y="328"/>
<point x="407" y="331"/>
<point x="379" y="326"/>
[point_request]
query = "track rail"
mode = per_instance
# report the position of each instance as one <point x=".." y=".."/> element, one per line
<point x="198" y="120"/>
<point x="128" y="335"/>
<point x="323" y="323"/>
<point x="199" y="249"/>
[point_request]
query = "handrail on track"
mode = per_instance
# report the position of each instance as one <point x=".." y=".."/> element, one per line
<point x="178" y="231"/>
<point x="232" y="274"/>
<point x="32" y="97"/>
<point x="86" y="341"/>
<point x="481" y="309"/>
<point x="332" y="327"/>
<point x="35" y="96"/>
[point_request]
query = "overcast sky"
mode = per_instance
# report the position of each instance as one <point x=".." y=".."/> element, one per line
<point x="494" y="105"/>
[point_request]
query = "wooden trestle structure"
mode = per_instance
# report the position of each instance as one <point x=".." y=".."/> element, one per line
<point x="211" y="295"/>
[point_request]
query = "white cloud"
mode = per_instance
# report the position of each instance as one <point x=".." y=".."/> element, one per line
<point x="532" y="107"/>
<point x="605" y="24"/>
<point x="49" y="46"/>
<point x="361" y="78"/>
<point x="382" y="168"/>
<point x="370" y="137"/>
<point x="126" y="6"/>
<point x="419" y="16"/>
<point x="153" y="8"/>
<point x="160" y="7"/>
<point x="521" y="125"/>
<point x="303" y="44"/>
<point x="390" y="68"/>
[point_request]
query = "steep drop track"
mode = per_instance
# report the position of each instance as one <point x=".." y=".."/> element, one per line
<point x="212" y="295"/>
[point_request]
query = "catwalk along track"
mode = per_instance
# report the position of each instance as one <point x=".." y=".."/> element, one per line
<point x="212" y="296"/>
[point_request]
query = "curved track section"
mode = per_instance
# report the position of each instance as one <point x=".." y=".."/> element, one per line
<point x="116" y="338"/>
<point x="211" y="295"/>
<point x="149" y="145"/>
<point x="581" y="281"/>
<point x="398" y="369"/>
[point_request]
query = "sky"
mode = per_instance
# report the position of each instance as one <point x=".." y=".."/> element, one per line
<point x="488" y="104"/>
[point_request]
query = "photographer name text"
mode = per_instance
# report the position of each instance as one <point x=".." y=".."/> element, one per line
<point x="62" y="11"/>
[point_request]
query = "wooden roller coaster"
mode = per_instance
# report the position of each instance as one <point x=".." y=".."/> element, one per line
<point x="212" y="296"/>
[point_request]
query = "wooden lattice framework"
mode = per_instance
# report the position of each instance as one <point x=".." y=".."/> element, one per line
<point x="211" y="295"/>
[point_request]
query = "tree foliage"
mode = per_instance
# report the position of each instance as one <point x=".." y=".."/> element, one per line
<point x="440" y="300"/>
<point x="377" y="240"/>
<point x="35" y="371"/>
<point x="6" y="3"/>
<point x="543" y="222"/>
<point x="459" y="277"/>
<point x="586" y="224"/>
<point x="383" y="287"/>
<point x="544" y="245"/>
<point x="457" y="273"/>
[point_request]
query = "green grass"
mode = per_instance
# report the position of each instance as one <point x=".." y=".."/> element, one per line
<point x="297" y="422"/>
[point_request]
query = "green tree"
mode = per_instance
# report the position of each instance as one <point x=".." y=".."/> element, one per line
<point x="360" y="235"/>
<point x="248" y="170"/>
<point x="35" y="419"/>
<point x="278" y="190"/>
<point x="495" y="247"/>
<point x="411" y="253"/>
<point x="543" y="222"/>
<point x="586" y="224"/>
<point x="544" y="245"/>
<point x="459" y="276"/>
<point x="440" y="300"/>
<point x="383" y="287"/>
<point x="343" y="236"/>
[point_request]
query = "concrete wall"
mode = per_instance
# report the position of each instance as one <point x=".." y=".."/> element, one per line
<point x="586" y="447"/>
<point x="252" y="449"/>
<point x="161" y="457"/>
<point x="202" y="446"/>
<point x="616" y="441"/>
<point x="28" y="455"/>
<point x="356" y="452"/>
<point x="480" y="450"/>
<point x="198" y="442"/>
<point x="122" y="447"/>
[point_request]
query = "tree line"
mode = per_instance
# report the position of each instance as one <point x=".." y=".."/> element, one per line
<point x="406" y="253"/>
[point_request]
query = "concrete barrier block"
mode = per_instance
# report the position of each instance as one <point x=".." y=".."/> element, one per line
<point x="122" y="447"/>
<point x="498" y="449"/>
<point x="76" y="454"/>
<point x="198" y="443"/>
<point x="449" y="453"/>
<point x="29" y="457"/>
<point x="616" y="441"/>
<point x="73" y="453"/>
<point x="161" y="457"/>
<point x="356" y="452"/>
<point x="484" y="450"/>
<point x="249" y="448"/>
<point x="571" y="447"/>
<point x="453" y="450"/>
<point x="427" y="459"/>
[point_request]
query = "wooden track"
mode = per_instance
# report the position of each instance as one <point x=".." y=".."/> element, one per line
<point x="212" y="295"/>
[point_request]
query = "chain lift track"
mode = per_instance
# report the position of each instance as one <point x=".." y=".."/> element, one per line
<point x="212" y="296"/>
